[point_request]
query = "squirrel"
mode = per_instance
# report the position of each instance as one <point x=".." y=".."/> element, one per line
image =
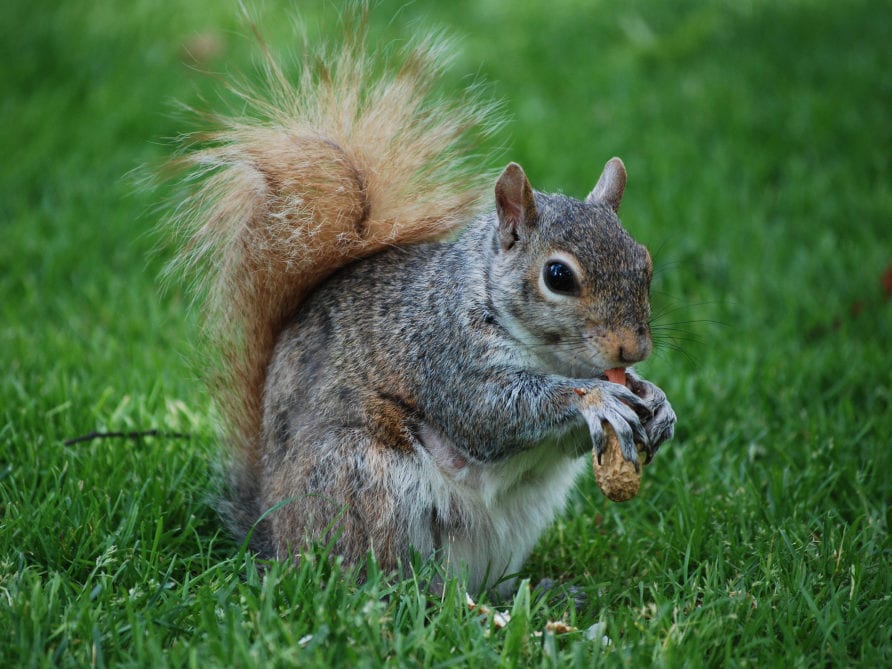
<point x="400" y="369"/>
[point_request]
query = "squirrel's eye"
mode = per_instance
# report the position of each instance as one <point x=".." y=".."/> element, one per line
<point x="560" y="279"/>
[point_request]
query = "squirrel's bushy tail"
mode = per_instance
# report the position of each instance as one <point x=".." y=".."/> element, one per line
<point x="355" y="155"/>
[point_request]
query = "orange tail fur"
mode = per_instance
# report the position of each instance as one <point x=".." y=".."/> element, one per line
<point x="351" y="158"/>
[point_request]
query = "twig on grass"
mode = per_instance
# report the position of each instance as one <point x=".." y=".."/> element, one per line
<point x="126" y="435"/>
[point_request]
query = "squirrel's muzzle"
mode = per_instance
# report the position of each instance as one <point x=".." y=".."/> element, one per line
<point x="623" y="346"/>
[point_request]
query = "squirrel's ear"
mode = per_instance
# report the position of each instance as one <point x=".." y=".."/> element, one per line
<point x="515" y="204"/>
<point x="611" y="185"/>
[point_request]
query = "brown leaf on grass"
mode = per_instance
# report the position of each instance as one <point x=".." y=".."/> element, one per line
<point x="886" y="281"/>
<point x="202" y="48"/>
<point x="857" y="307"/>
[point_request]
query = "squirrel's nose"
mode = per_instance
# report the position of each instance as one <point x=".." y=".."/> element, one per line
<point x="622" y="346"/>
<point x="634" y="349"/>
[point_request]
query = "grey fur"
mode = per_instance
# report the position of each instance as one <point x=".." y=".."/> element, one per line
<point x="424" y="376"/>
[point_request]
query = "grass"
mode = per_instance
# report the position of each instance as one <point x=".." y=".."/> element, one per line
<point x="757" y="141"/>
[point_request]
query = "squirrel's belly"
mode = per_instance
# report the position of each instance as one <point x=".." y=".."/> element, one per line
<point x="491" y="515"/>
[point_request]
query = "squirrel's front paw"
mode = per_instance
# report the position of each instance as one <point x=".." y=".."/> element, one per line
<point x="660" y="423"/>
<point x="621" y="409"/>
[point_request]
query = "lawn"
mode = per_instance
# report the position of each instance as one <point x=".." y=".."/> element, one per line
<point x="758" y="142"/>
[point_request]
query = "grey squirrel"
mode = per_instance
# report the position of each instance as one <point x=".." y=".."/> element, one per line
<point x="398" y="371"/>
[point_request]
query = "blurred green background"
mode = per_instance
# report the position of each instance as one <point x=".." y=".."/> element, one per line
<point x="757" y="138"/>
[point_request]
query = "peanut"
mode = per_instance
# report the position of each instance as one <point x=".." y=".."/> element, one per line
<point x="615" y="476"/>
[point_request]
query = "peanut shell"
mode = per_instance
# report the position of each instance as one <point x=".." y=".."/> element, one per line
<point x="615" y="476"/>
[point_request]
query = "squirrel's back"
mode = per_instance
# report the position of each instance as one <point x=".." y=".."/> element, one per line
<point x="355" y="156"/>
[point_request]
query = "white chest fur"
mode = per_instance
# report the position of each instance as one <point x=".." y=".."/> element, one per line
<point x="490" y="515"/>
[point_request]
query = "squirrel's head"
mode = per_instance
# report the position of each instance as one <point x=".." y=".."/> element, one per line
<point x="569" y="281"/>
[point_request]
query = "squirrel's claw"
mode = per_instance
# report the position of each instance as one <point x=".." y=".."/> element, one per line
<point x="660" y="425"/>
<point x="613" y="407"/>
